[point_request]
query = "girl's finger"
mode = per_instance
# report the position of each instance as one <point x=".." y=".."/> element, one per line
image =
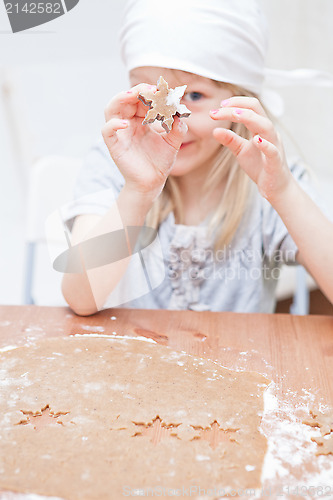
<point x="269" y="150"/>
<point x="229" y="139"/>
<point x="244" y="102"/>
<point x="111" y="127"/>
<point x="256" y="123"/>
<point x="126" y="104"/>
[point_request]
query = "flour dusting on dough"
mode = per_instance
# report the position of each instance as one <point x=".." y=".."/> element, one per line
<point x="127" y="401"/>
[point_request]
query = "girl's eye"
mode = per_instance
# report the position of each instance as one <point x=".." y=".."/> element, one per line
<point x="193" y="96"/>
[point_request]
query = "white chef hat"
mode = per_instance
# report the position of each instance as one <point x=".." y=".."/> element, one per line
<point x="225" y="40"/>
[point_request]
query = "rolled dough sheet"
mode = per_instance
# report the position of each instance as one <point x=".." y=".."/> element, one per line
<point x="100" y="400"/>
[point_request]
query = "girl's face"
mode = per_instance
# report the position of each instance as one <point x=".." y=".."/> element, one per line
<point x="202" y="95"/>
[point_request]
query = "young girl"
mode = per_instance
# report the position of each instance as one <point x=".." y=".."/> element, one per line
<point x="227" y="207"/>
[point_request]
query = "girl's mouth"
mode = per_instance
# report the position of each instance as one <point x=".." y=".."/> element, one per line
<point x="185" y="144"/>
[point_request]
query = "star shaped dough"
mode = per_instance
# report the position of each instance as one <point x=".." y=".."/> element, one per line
<point x="325" y="446"/>
<point x="164" y="104"/>
<point x="322" y="420"/>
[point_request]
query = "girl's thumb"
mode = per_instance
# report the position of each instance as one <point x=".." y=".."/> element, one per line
<point x="177" y="134"/>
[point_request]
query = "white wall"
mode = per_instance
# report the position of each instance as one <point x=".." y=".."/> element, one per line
<point x="60" y="77"/>
<point x="87" y="32"/>
<point x="62" y="74"/>
<point x="302" y="36"/>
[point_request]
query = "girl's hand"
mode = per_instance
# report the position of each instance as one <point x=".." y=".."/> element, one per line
<point x="144" y="156"/>
<point x="262" y="157"/>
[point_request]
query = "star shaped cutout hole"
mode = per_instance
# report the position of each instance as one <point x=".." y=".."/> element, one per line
<point x="164" y="104"/>
<point x="215" y="434"/>
<point x="41" y="418"/>
<point x="156" y="430"/>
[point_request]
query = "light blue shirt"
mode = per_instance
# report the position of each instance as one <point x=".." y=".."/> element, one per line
<point x="183" y="271"/>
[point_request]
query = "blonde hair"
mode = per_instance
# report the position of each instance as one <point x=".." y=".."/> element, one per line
<point x="225" y="168"/>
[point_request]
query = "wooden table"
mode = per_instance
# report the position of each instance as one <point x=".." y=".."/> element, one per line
<point x="294" y="352"/>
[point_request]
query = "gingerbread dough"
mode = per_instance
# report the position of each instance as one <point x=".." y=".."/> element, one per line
<point x="121" y="415"/>
<point x="322" y="420"/>
<point x="325" y="446"/>
<point x="325" y="423"/>
<point x="164" y="104"/>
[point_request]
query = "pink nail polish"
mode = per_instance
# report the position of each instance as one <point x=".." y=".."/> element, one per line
<point x="214" y="111"/>
<point x="129" y="92"/>
<point x="225" y="102"/>
<point x="259" y="139"/>
<point x="238" y="111"/>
